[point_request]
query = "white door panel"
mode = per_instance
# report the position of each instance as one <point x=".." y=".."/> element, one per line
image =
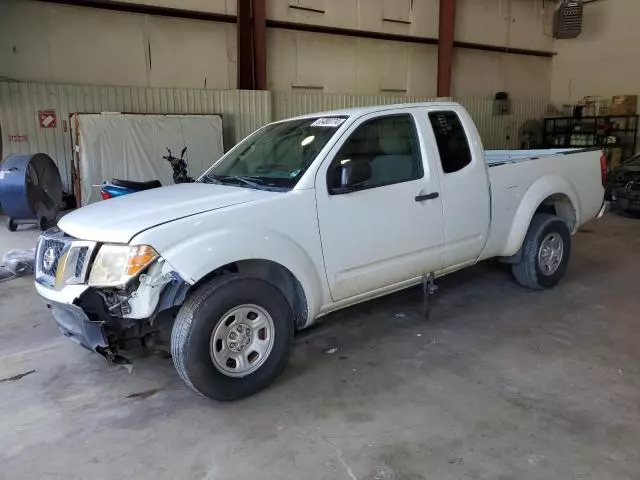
<point x="466" y="210"/>
<point x="464" y="186"/>
<point x="379" y="236"/>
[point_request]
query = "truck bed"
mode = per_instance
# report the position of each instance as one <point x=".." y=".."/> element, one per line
<point x="512" y="178"/>
<point x="499" y="157"/>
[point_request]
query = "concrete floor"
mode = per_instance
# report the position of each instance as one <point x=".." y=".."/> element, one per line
<point x="502" y="383"/>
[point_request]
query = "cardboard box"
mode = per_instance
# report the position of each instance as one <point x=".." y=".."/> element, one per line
<point x="624" y="105"/>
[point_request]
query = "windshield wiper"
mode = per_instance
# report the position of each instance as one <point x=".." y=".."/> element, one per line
<point x="210" y="179"/>
<point x="248" y="181"/>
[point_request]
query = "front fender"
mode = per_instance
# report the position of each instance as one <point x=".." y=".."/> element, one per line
<point x="193" y="258"/>
<point x="537" y="193"/>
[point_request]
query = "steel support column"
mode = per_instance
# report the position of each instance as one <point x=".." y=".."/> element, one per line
<point x="259" y="25"/>
<point x="445" y="46"/>
<point x="245" y="46"/>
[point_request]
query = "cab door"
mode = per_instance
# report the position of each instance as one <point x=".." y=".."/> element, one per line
<point x="389" y="228"/>
<point x="464" y="185"/>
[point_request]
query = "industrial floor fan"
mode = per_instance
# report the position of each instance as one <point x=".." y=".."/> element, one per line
<point x="30" y="190"/>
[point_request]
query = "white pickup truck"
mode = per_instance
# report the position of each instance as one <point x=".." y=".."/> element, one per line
<point x="304" y="217"/>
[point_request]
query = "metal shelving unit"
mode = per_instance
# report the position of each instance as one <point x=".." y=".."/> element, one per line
<point x="608" y="132"/>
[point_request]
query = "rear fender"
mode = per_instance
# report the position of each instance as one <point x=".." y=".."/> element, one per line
<point x="541" y="189"/>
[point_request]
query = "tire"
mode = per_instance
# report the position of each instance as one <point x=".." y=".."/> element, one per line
<point x="532" y="271"/>
<point x="201" y="318"/>
<point x="11" y="225"/>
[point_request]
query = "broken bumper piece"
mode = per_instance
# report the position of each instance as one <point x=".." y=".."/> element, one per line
<point x="75" y="324"/>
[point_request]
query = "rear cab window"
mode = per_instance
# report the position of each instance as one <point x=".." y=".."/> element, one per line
<point x="451" y="140"/>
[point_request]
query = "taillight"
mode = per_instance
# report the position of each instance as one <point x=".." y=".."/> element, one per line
<point x="603" y="168"/>
<point x="105" y="195"/>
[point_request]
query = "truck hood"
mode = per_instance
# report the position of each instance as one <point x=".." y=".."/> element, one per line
<point x="120" y="219"/>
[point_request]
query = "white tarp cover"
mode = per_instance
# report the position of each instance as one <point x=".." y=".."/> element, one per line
<point x="131" y="147"/>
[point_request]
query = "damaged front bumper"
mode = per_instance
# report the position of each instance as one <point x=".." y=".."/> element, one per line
<point x="76" y="325"/>
<point x="82" y="316"/>
<point x="89" y="316"/>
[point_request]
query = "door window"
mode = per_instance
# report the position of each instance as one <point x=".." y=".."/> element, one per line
<point x="389" y="145"/>
<point x="451" y="139"/>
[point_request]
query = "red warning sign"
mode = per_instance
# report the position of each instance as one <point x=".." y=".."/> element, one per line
<point x="47" y="118"/>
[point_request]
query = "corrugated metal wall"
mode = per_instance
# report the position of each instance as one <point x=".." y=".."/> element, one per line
<point x="501" y="131"/>
<point x="242" y="112"/>
<point x="497" y="131"/>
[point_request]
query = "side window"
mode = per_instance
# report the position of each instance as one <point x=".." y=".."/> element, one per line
<point x="386" y="148"/>
<point x="452" y="141"/>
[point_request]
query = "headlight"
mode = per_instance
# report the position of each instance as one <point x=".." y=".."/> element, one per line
<point x="115" y="265"/>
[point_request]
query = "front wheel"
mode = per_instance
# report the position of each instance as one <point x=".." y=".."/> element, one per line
<point x="232" y="337"/>
<point x="545" y="253"/>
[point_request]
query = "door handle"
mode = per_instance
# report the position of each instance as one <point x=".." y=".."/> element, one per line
<point x="428" y="196"/>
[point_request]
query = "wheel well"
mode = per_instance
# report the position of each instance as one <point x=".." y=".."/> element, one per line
<point x="561" y="206"/>
<point x="274" y="273"/>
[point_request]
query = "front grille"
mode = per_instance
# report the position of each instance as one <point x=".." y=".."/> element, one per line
<point x="82" y="257"/>
<point x="53" y="250"/>
<point x="62" y="259"/>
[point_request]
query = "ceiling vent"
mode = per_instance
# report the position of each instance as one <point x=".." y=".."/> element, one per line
<point x="567" y="22"/>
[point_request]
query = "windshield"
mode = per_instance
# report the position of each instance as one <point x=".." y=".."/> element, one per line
<point x="276" y="157"/>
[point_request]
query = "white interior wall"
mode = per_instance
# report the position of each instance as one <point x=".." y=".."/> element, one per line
<point x="369" y="15"/>
<point x="187" y="53"/>
<point x="510" y="23"/>
<point x="352" y="65"/>
<point x="603" y="60"/>
<point x="62" y="44"/>
<point x="304" y="61"/>
<point x="523" y="24"/>
<point x="478" y="73"/>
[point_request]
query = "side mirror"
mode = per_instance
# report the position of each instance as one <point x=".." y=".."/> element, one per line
<point x="350" y="175"/>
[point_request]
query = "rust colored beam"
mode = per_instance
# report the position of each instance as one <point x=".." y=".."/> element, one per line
<point x="348" y="32"/>
<point x="445" y="46"/>
<point x="132" y="7"/>
<point x="245" y="46"/>
<point x="259" y="24"/>
<point x="508" y="50"/>
<point x="392" y="37"/>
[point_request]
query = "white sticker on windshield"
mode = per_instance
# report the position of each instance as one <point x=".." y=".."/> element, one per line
<point x="328" y="122"/>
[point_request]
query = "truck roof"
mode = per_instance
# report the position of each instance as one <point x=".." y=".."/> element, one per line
<point x="359" y="111"/>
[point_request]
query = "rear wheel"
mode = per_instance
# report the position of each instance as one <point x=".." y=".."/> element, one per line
<point x="545" y="253"/>
<point x="11" y="225"/>
<point x="232" y="337"/>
